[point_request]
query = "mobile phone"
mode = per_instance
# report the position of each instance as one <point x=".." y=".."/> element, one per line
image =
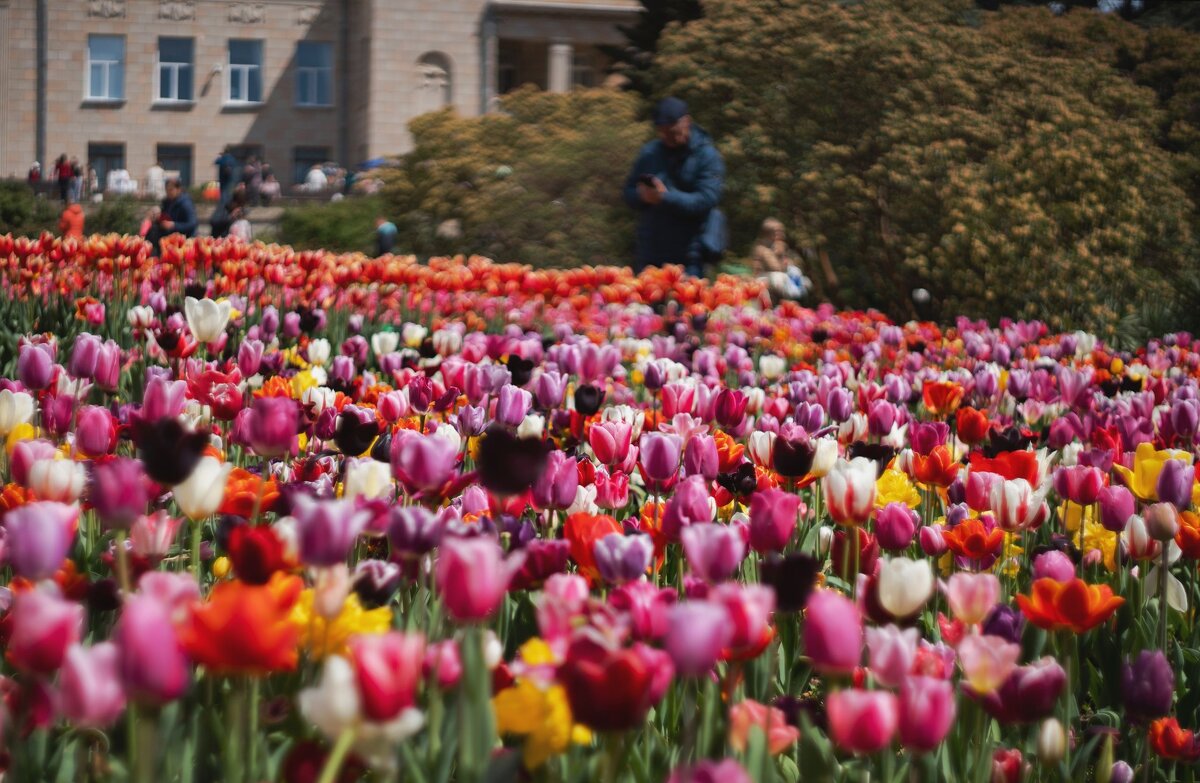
<point x="647" y="180"/>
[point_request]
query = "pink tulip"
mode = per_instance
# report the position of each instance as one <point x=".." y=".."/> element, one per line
<point x="773" y="515"/>
<point x="927" y="710"/>
<point x="153" y="666"/>
<point x="473" y="576"/>
<point x="27" y="452"/>
<point x="891" y="652"/>
<point x="700" y="457"/>
<point x="987" y="661"/>
<point x="972" y="596"/>
<point x="1079" y="484"/>
<point x="833" y="633"/>
<point x="849" y="489"/>
<point x="108" y="366"/>
<point x="646" y="606"/>
<point x="933" y="543"/>
<point x="980" y="485"/>
<point x="556" y="487"/>
<point x="38" y="536"/>
<point x="749" y="714"/>
<point x="713" y="551"/>
<point x="1116" y="507"/>
<point x="688" y="506"/>
<point x="95" y="431"/>
<point x="697" y="632"/>
<point x="895" y="526"/>
<point x="443" y="664"/>
<point x="612" y="490"/>
<point x="422" y="463"/>
<point x="388" y="669"/>
<point x="862" y="721"/>
<point x="177" y="592"/>
<point x="749" y="609"/>
<point x="90" y="685"/>
<point x="1053" y="565"/>
<point x="119" y="491"/>
<point x="35" y="365"/>
<point x="610" y="441"/>
<point x="271" y="426"/>
<point x="44" y="627"/>
<point x="153" y="534"/>
<point x="163" y="399"/>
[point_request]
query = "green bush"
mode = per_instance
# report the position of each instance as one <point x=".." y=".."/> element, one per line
<point x="120" y="215"/>
<point x="22" y="213"/>
<point x="341" y="226"/>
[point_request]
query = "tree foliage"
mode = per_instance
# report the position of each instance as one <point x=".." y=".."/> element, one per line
<point x="635" y="59"/>
<point x="538" y="182"/>
<point x="922" y="147"/>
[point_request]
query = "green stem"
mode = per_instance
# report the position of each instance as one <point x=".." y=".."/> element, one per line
<point x="252" y="731"/>
<point x="613" y="750"/>
<point x="1163" y="576"/>
<point x="334" y="763"/>
<point x="197" y="530"/>
<point x="122" y="563"/>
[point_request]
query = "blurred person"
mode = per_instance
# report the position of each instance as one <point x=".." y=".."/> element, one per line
<point x="150" y="219"/>
<point x="776" y="263"/>
<point x="385" y="235"/>
<point x="227" y="168"/>
<point x="225" y="214"/>
<point x="76" y="180"/>
<point x="35" y="174"/>
<point x="270" y="189"/>
<point x="241" y="228"/>
<point x="63" y="173"/>
<point x="177" y="215"/>
<point x="70" y="222"/>
<point x="156" y="181"/>
<point x="675" y="185"/>
<point x="316" y="181"/>
<point x="252" y="178"/>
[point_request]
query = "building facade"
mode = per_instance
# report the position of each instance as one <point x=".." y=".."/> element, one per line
<point x="124" y="83"/>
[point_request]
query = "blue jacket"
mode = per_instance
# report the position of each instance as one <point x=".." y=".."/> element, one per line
<point x="669" y="232"/>
<point x="183" y="213"/>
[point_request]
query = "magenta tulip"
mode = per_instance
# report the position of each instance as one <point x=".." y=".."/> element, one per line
<point x="749" y="609"/>
<point x="118" y="491"/>
<point x="153" y="666"/>
<point x="1053" y="565"/>
<point x="1116" y="507"/>
<point x="163" y="399"/>
<point x="512" y="404"/>
<point x="862" y="721"/>
<point x="556" y="487"/>
<point x="1175" y="483"/>
<point x="713" y="551"/>
<point x="90" y="687"/>
<point x="35" y="365"/>
<point x="271" y="426"/>
<point x="926" y="711"/>
<point x="610" y="441"/>
<point x="659" y="457"/>
<point x="95" y="431"/>
<point x="697" y="631"/>
<point x="44" y="627"/>
<point x="891" y="652"/>
<point x="84" y="354"/>
<point x="688" y="506"/>
<point x="700" y="457"/>
<point x="422" y="463"/>
<point x="1079" y="484"/>
<point x="772" y="519"/>
<point x="108" y="366"/>
<point x="473" y="576"/>
<point x="388" y="668"/>
<point x="895" y="526"/>
<point x="327" y="529"/>
<point x="833" y="633"/>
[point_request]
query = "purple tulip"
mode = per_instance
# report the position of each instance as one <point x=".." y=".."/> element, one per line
<point x="700" y="457"/>
<point x="840" y="404"/>
<point x="271" y="426"/>
<point x="414" y="530"/>
<point x="622" y="559"/>
<point x="772" y="519"/>
<point x="1004" y="621"/>
<point x="659" y="457"/>
<point x="327" y="529"/>
<point x="342" y="371"/>
<point x="119" y="492"/>
<point x="1053" y="565"/>
<point x="249" y="357"/>
<point x="108" y="366"/>
<point x="727" y="771"/>
<point x="270" y="321"/>
<point x="1116" y="507"/>
<point x="1147" y="685"/>
<point x="422" y="463"/>
<point x="291" y="325"/>
<point x="926" y="436"/>
<point x="713" y="551"/>
<point x="1028" y="694"/>
<point x="881" y="417"/>
<point x="556" y="487"/>
<point x="550" y="388"/>
<point x="895" y="526"/>
<point x="90" y="689"/>
<point x="697" y="631"/>
<point x="688" y="506"/>
<point x="512" y="404"/>
<point x="808" y="416"/>
<point x="35" y="366"/>
<point x="1175" y="483"/>
<point x="84" y="355"/>
<point x="38" y="536"/>
<point x="471" y="421"/>
<point x="153" y="666"/>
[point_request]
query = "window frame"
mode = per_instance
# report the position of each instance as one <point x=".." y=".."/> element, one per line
<point x="314" y="73"/>
<point x="244" y="70"/>
<point x="175" y="68"/>
<point x="89" y="95"/>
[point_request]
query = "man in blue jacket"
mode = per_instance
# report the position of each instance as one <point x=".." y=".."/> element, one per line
<point x="177" y="216"/>
<point x="675" y="185"/>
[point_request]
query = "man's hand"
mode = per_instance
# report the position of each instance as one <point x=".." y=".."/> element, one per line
<point x="652" y="195"/>
<point x="169" y="225"/>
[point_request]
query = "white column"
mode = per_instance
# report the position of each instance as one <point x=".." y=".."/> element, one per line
<point x="562" y="57"/>
<point x="491" y="63"/>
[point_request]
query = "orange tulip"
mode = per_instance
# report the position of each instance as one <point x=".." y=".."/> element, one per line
<point x="245" y="629"/>
<point x="1010" y="464"/>
<point x="1188" y="537"/>
<point x="729" y="451"/>
<point x="242" y="494"/>
<point x="1074" y="605"/>
<point x="1171" y="741"/>
<point x="972" y="540"/>
<point x="942" y="398"/>
<point x="939" y="469"/>
<point x="582" y="531"/>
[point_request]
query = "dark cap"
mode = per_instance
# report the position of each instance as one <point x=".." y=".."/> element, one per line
<point x="669" y="111"/>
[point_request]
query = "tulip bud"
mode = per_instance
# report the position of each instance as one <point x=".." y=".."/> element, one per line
<point x="1051" y="742"/>
<point x="1116" y="507"/>
<point x="895" y="525"/>
<point x="1162" y="521"/>
<point x="1121" y="773"/>
<point x="1053" y="565"/>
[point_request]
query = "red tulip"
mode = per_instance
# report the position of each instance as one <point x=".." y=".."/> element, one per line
<point x="613" y="689"/>
<point x="862" y="721"/>
<point x="388" y="668"/>
<point x="44" y="627"/>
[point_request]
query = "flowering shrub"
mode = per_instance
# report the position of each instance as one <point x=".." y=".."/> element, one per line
<point x="296" y="516"/>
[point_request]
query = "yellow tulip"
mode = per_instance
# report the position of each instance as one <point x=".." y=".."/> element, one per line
<point x="1147" y="464"/>
<point x="322" y="638"/>
<point x="542" y="716"/>
<point x="893" y="486"/>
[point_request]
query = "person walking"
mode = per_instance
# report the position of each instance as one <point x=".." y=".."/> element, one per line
<point x="675" y="185"/>
<point x="385" y="236"/>
<point x="252" y="179"/>
<point x="63" y="173"/>
<point x="76" y="180"/>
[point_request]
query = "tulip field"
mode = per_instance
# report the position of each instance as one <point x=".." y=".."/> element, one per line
<point x="293" y="516"/>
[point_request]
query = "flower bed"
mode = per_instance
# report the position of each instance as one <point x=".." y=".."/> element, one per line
<point x="297" y="516"/>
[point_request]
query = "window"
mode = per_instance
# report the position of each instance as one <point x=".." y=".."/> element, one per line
<point x="106" y="158"/>
<point x="314" y="73"/>
<point x="583" y="70"/>
<point x="245" y="71"/>
<point x="177" y="159"/>
<point x="303" y="159"/>
<point x="106" y="68"/>
<point x="174" y="69"/>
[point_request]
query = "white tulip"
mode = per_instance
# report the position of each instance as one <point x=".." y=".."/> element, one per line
<point x="854" y="428"/>
<point x="383" y="343"/>
<point x="62" y="480"/>
<point x="207" y="318"/>
<point x="318" y="351"/>
<point x="762" y="446"/>
<point x="626" y="414"/>
<point x="532" y="426"/>
<point x="201" y="493"/>
<point x="755" y="397"/>
<point x="16" y="408"/>
<point x="1051" y="742"/>
<point x="447" y="342"/>
<point x="318" y="398"/>
<point x="452" y="436"/>
<point x="140" y="316"/>
<point x="904" y="585"/>
<point x="771" y="367"/>
<point x="585" y="501"/>
<point x="413" y="334"/>
<point x="369" y="479"/>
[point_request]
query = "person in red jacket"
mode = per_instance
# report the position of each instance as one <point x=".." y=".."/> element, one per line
<point x="63" y="171"/>
<point x="70" y="224"/>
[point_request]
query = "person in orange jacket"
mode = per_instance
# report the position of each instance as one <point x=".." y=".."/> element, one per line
<point x="70" y="224"/>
